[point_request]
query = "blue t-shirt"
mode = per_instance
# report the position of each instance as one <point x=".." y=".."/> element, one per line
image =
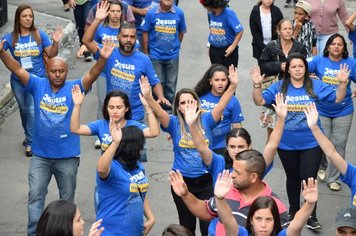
<point x="139" y="4"/>
<point x="223" y="28"/>
<point x="106" y="32"/>
<point x="243" y="232"/>
<point x="52" y="137"/>
<point x="186" y="157"/>
<point x="326" y="70"/>
<point x="101" y="129"/>
<point x="352" y="37"/>
<point x="164" y="29"/>
<point x="350" y="180"/>
<point x="123" y="73"/>
<point x="232" y="114"/>
<point x="27" y="47"/>
<point x="296" y="134"/>
<point x="121" y="196"/>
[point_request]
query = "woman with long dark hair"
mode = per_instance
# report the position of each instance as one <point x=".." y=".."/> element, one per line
<point x="29" y="45"/>
<point x="298" y="150"/>
<point x="210" y="89"/>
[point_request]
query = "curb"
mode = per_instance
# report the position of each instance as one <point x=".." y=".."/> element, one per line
<point x="6" y="93"/>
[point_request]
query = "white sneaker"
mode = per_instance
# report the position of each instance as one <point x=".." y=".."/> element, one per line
<point x="321" y="175"/>
<point x="97" y="144"/>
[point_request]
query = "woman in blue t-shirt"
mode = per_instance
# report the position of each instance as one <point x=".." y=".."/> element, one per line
<point x="336" y="119"/>
<point x="210" y="90"/>
<point x="263" y="216"/>
<point x="29" y="46"/>
<point x="186" y="157"/>
<point x="225" y="33"/>
<point x="298" y="150"/>
<point x="122" y="184"/>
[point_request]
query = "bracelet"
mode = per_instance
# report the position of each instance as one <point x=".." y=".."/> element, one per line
<point x="148" y="112"/>
<point x="220" y="198"/>
<point x="258" y="86"/>
<point x="343" y="82"/>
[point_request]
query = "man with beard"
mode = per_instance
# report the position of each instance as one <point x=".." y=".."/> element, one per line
<point x="125" y="67"/>
<point x="248" y="170"/>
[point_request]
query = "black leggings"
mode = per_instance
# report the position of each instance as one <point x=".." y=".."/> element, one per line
<point x="202" y="188"/>
<point x="299" y="165"/>
<point x="217" y="55"/>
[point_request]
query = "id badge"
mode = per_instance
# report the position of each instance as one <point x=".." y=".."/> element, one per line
<point x="26" y="62"/>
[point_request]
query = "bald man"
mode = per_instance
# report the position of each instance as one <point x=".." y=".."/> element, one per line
<point x="56" y="150"/>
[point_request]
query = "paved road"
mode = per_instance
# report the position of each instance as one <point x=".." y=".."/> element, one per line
<point x="194" y="62"/>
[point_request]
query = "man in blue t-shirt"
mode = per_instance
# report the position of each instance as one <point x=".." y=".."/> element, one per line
<point x="56" y="150"/>
<point x="162" y="33"/>
<point x="126" y="65"/>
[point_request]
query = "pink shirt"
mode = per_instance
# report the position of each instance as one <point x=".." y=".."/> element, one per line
<point x="324" y="16"/>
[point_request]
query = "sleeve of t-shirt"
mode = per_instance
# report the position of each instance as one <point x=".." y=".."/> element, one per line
<point x="151" y="73"/>
<point x="171" y="124"/>
<point x="182" y="28"/>
<point x="211" y="207"/>
<point x="353" y="69"/>
<point x="94" y="127"/>
<point x="242" y="231"/>
<point x="234" y="22"/>
<point x="270" y="93"/>
<point x="325" y="92"/>
<point x="32" y="84"/>
<point x="45" y="39"/>
<point x="312" y="62"/>
<point x="146" y="25"/>
<point x="217" y="165"/>
<point x="236" y="111"/>
<point x="352" y="37"/>
<point x="350" y="176"/>
<point x="8" y="43"/>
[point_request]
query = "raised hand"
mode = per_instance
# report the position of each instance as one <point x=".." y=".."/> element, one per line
<point x="233" y="77"/>
<point x="178" y="184"/>
<point x="343" y="74"/>
<point x="312" y="114"/>
<point x="280" y="107"/>
<point x="94" y="229"/>
<point x="310" y="190"/>
<point x="163" y="100"/>
<point x="255" y="74"/>
<point x="191" y="113"/>
<point x="145" y="87"/>
<point x="77" y="95"/>
<point x="223" y="184"/>
<point x="143" y="100"/>
<point x="115" y="131"/>
<point x="57" y="34"/>
<point x="102" y="10"/>
<point x="107" y="49"/>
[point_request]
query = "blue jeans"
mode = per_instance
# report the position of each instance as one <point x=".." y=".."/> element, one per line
<point x="321" y="42"/>
<point x="39" y="175"/>
<point x="167" y="72"/>
<point x="26" y="107"/>
<point x="80" y="15"/>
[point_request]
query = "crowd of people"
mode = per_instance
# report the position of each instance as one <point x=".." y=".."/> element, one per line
<point x="302" y="81"/>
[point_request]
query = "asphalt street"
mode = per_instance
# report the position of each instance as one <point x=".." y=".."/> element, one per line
<point x="194" y="61"/>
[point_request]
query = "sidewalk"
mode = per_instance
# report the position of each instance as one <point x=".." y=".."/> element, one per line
<point x="43" y="21"/>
